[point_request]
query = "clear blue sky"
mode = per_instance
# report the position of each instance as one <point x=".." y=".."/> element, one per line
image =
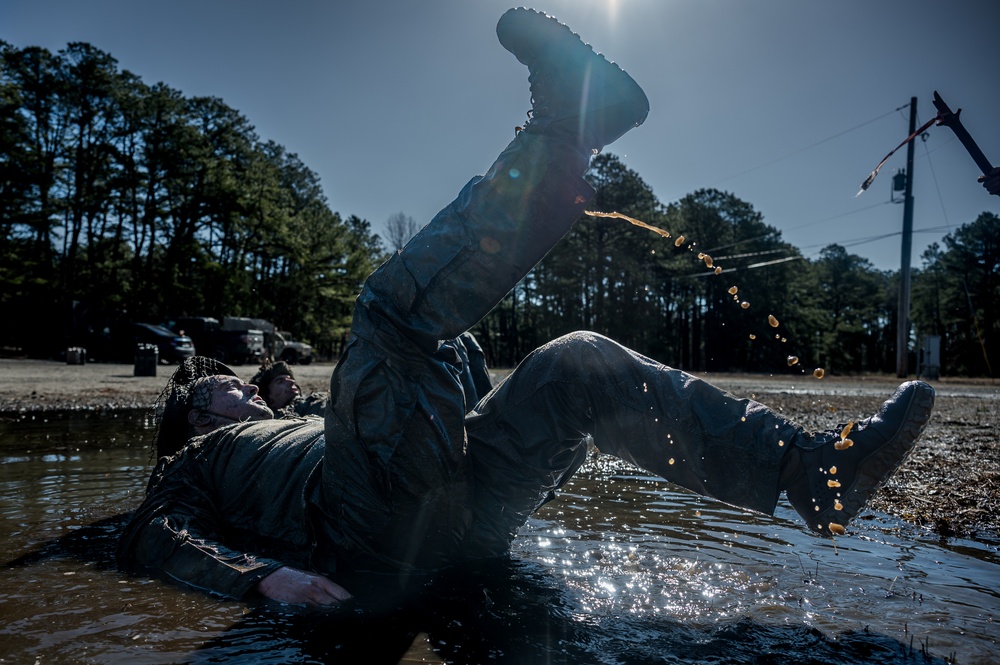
<point x="787" y="104"/>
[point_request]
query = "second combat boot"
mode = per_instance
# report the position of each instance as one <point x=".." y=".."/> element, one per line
<point x="829" y="477"/>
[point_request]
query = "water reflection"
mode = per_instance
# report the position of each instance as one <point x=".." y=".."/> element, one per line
<point x="619" y="569"/>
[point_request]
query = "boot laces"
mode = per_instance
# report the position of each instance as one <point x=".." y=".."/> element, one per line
<point x="539" y="102"/>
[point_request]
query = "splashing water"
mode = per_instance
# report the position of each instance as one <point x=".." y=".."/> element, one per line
<point x="710" y="263"/>
<point x="631" y="220"/>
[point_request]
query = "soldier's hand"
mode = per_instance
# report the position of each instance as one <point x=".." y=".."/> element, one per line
<point x="298" y="587"/>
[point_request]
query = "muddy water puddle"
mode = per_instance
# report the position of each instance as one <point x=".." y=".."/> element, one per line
<point x="621" y="568"/>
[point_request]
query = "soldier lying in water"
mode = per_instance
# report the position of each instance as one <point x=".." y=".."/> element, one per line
<point x="411" y="469"/>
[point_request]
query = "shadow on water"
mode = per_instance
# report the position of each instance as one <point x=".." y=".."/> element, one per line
<point x="93" y="543"/>
<point x="619" y="570"/>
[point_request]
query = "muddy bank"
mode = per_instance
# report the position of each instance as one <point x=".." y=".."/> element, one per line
<point x="950" y="485"/>
<point x="42" y="385"/>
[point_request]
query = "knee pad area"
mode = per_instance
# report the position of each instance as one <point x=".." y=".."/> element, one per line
<point x="580" y="355"/>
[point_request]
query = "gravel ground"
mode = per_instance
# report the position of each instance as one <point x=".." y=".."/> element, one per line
<point x="950" y="485"/>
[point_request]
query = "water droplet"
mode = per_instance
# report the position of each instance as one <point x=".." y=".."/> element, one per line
<point x="819" y="372"/>
<point x="793" y="360"/>
<point x="679" y="241"/>
<point x="745" y="305"/>
<point x="733" y="290"/>
<point x="772" y="320"/>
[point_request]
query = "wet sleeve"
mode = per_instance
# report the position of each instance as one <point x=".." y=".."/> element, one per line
<point x="177" y="533"/>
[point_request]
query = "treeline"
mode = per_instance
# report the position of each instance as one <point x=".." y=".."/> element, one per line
<point x="668" y="298"/>
<point x="123" y="201"/>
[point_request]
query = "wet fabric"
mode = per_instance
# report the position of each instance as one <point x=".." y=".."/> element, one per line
<point x="531" y="434"/>
<point x="399" y="485"/>
<point x="230" y="508"/>
<point x="419" y="481"/>
<point x="412" y="469"/>
<point x="237" y="504"/>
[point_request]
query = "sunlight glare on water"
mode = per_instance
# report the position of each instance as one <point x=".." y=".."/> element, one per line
<point x="705" y="563"/>
<point x="619" y="568"/>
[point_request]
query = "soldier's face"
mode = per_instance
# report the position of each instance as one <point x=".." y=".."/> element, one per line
<point x="232" y="400"/>
<point x="282" y="390"/>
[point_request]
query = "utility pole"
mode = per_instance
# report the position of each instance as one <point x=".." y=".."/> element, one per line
<point x="903" y="314"/>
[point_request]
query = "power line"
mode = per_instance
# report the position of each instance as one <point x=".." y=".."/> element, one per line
<point x="867" y="239"/>
<point x="745" y="255"/>
<point x="843" y="243"/>
<point x="808" y="147"/>
<point x="771" y="234"/>
<point x="854" y="242"/>
<point x="752" y="266"/>
<point x="937" y="186"/>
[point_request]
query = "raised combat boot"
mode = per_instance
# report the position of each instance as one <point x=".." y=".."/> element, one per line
<point x="458" y="267"/>
<point x="830" y="476"/>
<point x="573" y="89"/>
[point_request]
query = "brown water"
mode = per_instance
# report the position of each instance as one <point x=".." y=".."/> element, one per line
<point x="620" y="569"/>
